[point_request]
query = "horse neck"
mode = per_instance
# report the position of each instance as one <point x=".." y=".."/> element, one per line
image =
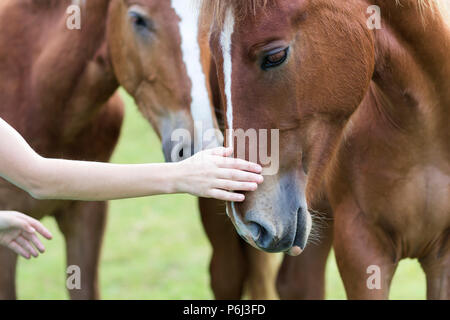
<point x="80" y="59"/>
<point x="75" y="46"/>
<point x="412" y="60"/>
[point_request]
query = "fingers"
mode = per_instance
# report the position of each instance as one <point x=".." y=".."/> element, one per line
<point x="221" y="151"/>
<point x="32" y="237"/>
<point x="14" y="246"/>
<point x="18" y="221"/>
<point x="29" y="224"/>
<point x="235" y="185"/>
<point x="226" y="195"/>
<point x="39" y="227"/>
<point x="223" y="160"/>
<point x="238" y="175"/>
<point x="25" y="244"/>
<point x="22" y="245"/>
<point x="239" y="164"/>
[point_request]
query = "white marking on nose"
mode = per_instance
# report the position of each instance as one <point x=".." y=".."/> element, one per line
<point x="226" y="43"/>
<point x="201" y="105"/>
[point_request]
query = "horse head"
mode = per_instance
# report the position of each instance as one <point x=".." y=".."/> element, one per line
<point x="155" y="54"/>
<point x="302" y="68"/>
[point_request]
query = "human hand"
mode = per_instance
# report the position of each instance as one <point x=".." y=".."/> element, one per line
<point x="212" y="174"/>
<point x="18" y="233"/>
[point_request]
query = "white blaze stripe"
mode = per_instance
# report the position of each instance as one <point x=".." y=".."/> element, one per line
<point x="79" y="2"/>
<point x="225" y="42"/>
<point x="189" y="29"/>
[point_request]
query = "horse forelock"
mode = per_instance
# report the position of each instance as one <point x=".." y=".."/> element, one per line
<point x="241" y="8"/>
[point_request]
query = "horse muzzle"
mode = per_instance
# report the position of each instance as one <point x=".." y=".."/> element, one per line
<point x="275" y="217"/>
<point x="286" y="235"/>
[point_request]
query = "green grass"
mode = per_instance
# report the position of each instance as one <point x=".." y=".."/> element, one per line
<point x="155" y="248"/>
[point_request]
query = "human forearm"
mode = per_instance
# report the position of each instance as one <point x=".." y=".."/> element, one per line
<point x="205" y="175"/>
<point x="79" y="180"/>
<point x="91" y="181"/>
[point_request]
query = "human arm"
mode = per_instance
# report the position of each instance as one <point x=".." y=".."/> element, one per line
<point x="210" y="173"/>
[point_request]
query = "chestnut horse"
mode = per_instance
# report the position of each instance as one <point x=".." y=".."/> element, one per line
<point x="58" y="89"/>
<point x="234" y="264"/>
<point x="363" y="118"/>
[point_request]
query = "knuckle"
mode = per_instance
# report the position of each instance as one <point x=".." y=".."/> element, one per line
<point x="227" y="185"/>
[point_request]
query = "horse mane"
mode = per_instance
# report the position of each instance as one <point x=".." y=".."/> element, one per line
<point x="430" y="9"/>
<point x="242" y="8"/>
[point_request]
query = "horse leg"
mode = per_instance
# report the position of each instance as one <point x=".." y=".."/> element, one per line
<point x="83" y="225"/>
<point x="365" y="262"/>
<point x="303" y="277"/>
<point x="262" y="273"/>
<point x="228" y="267"/>
<point x="437" y="270"/>
<point x="8" y="263"/>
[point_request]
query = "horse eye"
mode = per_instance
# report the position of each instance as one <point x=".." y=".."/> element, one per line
<point x="138" y="21"/>
<point x="275" y="59"/>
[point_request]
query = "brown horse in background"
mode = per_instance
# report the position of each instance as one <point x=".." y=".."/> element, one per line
<point x="58" y="90"/>
<point x="363" y="120"/>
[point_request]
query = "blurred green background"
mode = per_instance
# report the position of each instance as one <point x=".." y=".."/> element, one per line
<point x="155" y="248"/>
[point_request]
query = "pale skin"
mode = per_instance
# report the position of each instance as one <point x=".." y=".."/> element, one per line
<point x="211" y="174"/>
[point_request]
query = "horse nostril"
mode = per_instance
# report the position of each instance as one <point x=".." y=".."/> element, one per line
<point x="267" y="235"/>
<point x="181" y="153"/>
<point x="262" y="234"/>
<point x="255" y="230"/>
